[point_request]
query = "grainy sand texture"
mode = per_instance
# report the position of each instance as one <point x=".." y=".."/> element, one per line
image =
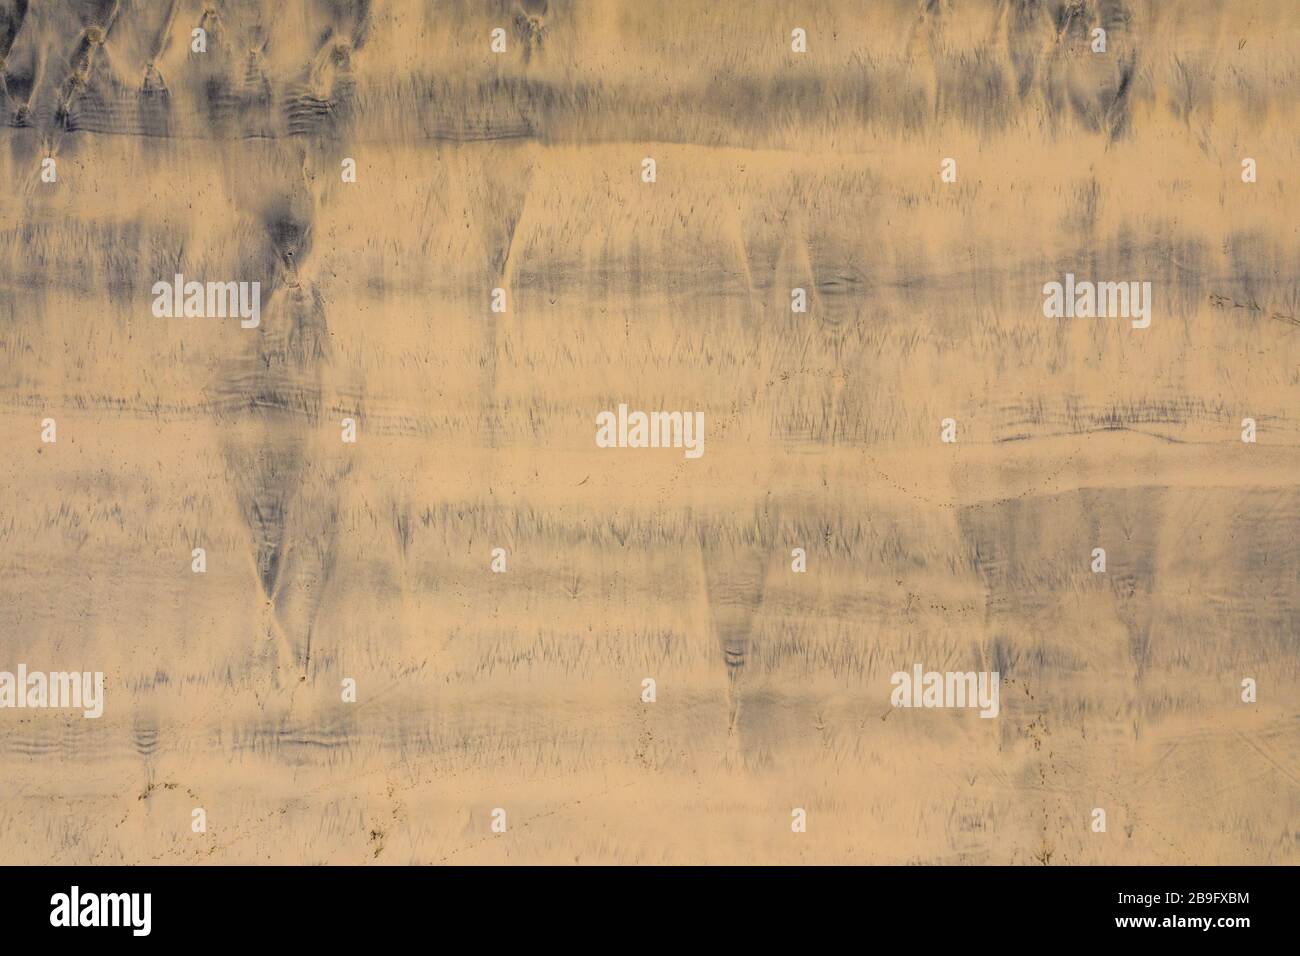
<point x="361" y="581"/>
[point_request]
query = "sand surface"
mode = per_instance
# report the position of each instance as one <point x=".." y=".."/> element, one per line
<point x="371" y="561"/>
